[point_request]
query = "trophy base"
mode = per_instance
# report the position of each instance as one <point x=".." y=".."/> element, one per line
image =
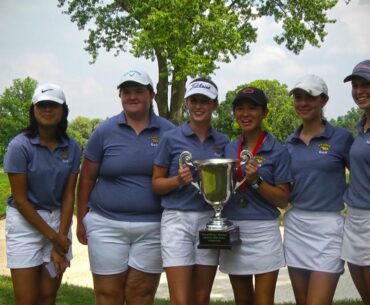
<point x="219" y="239"/>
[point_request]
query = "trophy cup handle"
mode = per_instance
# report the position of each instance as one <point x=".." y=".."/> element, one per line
<point x="245" y="156"/>
<point x="185" y="159"/>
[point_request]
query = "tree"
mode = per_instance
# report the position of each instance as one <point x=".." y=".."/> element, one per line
<point x="81" y="128"/>
<point x="349" y="120"/>
<point x="281" y="120"/>
<point x="188" y="37"/>
<point x="14" y="108"/>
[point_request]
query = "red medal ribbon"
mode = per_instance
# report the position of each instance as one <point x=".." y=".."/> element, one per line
<point x="254" y="152"/>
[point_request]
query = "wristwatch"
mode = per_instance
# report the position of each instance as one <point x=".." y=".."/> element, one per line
<point x="257" y="184"/>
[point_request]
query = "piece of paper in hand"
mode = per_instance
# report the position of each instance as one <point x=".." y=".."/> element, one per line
<point x="51" y="269"/>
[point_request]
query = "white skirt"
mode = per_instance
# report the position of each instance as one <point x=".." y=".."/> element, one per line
<point x="313" y="240"/>
<point x="261" y="249"/>
<point x="356" y="239"/>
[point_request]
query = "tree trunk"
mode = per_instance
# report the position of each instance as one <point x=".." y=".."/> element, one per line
<point x="162" y="86"/>
<point x="177" y="99"/>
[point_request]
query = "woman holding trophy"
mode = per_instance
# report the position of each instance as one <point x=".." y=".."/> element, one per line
<point x="254" y="207"/>
<point x="314" y="226"/>
<point x="190" y="271"/>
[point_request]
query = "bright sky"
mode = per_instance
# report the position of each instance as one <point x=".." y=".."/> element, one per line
<point x="37" y="40"/>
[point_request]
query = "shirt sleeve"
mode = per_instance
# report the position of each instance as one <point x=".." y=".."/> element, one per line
<point x="16" y="158"/>
<point x="94" y="150"/>
<point x="282" y="170"/>
<point x="77" y="157"/>
<point x="163" y="153"/>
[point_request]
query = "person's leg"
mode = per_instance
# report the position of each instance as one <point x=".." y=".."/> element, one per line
<point x="48" y="287"/>
<point x="141" y="287"/>
<point x="265" y="284"/>
<point x="179" y="284"/>
<point x="243" y="289"/>
<point x="299" y="279"/>
<point x="321" y="288"/>
<point x="203" y="277"/>
<point x="109" y="289"/>
<point x="361" y="278"/>
<point x="26" y="283"/>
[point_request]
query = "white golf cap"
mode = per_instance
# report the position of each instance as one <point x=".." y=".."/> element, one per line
<point x="201" y="87"/>
<point x="312" y="84"/>
<point x="48" y="92"/>
<point x="136" y="76"/>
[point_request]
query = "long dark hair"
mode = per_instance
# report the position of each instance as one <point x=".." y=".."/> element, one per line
<point x="32" y="131"/>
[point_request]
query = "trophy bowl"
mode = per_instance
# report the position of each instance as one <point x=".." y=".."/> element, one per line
<point x="216" y="183"/>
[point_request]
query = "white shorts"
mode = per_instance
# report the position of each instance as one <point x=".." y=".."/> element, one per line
<point x="313" y="240"/>
<point x="180" y="238"/>
<point x="356" y="239"/>
<point x="114" y="245"/>
<point x="26" y="247"/>
<point x="261" y="249"/>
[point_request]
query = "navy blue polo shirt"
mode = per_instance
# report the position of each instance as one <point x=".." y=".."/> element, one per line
<point x="123" y="190"/>
<point x="319" y="169"/>
<point x="358" y="192"/>
<point x="174" y="142"/>
<point x="273" y="161"/>
<point x="47" y="171"/>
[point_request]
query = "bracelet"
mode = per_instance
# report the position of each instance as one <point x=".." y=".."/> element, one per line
<point x="257" y="184"/>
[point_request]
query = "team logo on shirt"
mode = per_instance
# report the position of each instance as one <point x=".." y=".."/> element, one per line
<point x="65" y="155"/>
<point x="154" y="141"/>
<point x="324" y="148"/>
<point x="217" y="150"/>
<point x="259" y="159"/>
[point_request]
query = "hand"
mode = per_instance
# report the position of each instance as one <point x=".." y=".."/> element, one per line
<point x="251" y="171"/>
<point x="61" y="243"/>
<point x="81" y="233"/>
<point x="60" y="262"/>
<point x="185" y="176"/>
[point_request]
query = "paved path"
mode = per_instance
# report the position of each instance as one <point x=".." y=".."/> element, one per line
<point x="80" y="275"/>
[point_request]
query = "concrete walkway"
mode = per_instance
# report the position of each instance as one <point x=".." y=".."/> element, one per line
<point x="79" y="274"/>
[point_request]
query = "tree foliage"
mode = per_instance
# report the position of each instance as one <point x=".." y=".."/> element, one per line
<point x="281" y="120"/>
<point x="81" y="128"/>
<point x="349" y="120"/>
<point x="14" y="107"/>
<point x="189" y="37"/>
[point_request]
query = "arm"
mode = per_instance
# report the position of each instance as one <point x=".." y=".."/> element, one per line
<point x="19" y="186"/>
<point x="162" y="184"/>
<point x="68" y="204"/>
<point x="65" y="221"/>
<point x="89" y="174"/>
<point x="277" y="195"/>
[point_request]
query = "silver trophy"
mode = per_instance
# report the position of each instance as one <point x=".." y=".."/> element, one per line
<point x="216" y="183"/>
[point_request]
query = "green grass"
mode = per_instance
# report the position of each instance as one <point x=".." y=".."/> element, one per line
<point x="74" y="295"/>
<point x="4" y="193"/>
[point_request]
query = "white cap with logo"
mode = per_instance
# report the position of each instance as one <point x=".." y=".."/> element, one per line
<point x="48" y="92"/>
<point x="312" y="84"/>
<point x="136" y="76"/>
<point x="201" y="87"/>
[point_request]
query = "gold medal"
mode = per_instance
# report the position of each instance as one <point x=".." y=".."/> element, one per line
<point x="242" y="199"/>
